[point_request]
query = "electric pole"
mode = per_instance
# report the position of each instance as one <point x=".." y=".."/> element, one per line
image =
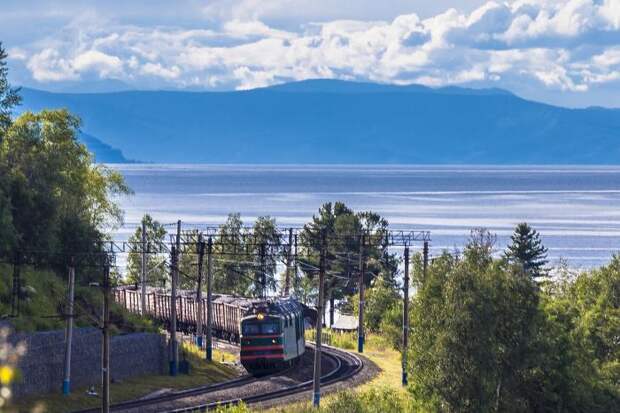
<point x="173" y="313"/>
<point x="66" y="384"/>
<point x="174" y="346"/>
<point x="199" y="312"/>
<point x="262" y="276"/>
<point x="143" y="270"/>
<point x="316" y="400"/>
<point x="362" y="288"/>
<point x="289" y="259"/>
<point x="405" y="316"/>
<point x="105" y="368"/>
<point x="209" y="299"/>
<point x="425" y="260"/>
<point x="16" y="292"/>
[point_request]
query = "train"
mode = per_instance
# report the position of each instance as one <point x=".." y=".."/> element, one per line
<point x="270" y="332"/>
<point x="272" y="335"/>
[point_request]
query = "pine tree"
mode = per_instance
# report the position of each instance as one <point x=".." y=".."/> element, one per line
<point x="9" y="97"/>
<point x="527" y="250"/>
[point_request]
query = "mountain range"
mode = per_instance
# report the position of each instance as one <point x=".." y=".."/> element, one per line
<point x="332" y="121"/>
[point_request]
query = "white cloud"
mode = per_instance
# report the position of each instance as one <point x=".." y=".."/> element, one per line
<point x="104" y="64"/>
<point x="555" y="45"/>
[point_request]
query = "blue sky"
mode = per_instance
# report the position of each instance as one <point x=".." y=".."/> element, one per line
<point x="565" y="52"/>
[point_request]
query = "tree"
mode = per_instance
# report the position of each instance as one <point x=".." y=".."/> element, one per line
<point x="157" y="272"/>
<point x="527" y="251"/>
<point x="9" y="96"/>
<point x="232" y="263"/>
<point x="266" y="251"/>
<point x="473" y="323"/>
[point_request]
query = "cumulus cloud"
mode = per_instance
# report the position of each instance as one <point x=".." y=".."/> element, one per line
<point x="562" y="45"/>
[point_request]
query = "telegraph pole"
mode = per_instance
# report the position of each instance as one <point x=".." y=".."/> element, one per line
<point x="143" y="270"/>
<point x="425" y="260"/>
<point x="209" y="299"/>
<point x="362" y="288"/>
<point x="405" y="316"/>
<point x="289" y="259"/>
<point x="66" y="384"/>
<point x="316" y="400"/>
<point x="105" y="394"/>
<point x="199" y="313"/>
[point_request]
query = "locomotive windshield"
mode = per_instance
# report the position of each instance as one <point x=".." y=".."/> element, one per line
<point x="251" y="328"/>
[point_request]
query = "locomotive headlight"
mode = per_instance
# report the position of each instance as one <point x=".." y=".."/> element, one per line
<point x="260" y="316"/>
<point x="273" y="341"/>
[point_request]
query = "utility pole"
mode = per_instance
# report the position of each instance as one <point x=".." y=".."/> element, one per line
<point x="316" y="400"/>
<point x="262" y="276"/>
<point x="406" y="316"/>
<point x="199" y="312"/>
<point x="425" y="260"/>
<point x="209" y="299"/>
<point x="66" y="384"/>
<point x="362" y="288"/>
<point x="174" y="347"/>
<point x="143" y="270"/>
<point x="105" y="368"/>
<point x="289" y="259"/>
<point x="295" y="278"/>
<point x="173" y="312"/>
<point x="15" y="293"/>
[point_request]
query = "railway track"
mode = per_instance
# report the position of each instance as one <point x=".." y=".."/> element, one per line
<point x="346" y="365"/>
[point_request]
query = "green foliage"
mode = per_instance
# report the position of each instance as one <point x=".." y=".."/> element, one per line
<point x="58" y="199"/>
<point x="527" y="250"/>
<point x="157" y="273"/>
<point x="380" y="298"/>
<point x="485" y="338"/>
<point x="9" y="96"/>
<point x="342" y="230"/>
<point x="246" y="260"/>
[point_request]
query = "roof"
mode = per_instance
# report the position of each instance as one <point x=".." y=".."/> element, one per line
<point x="345" y="322"/>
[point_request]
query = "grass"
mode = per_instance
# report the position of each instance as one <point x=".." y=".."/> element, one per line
<point x="201" y="373"/>
<point x="383" y="393"/>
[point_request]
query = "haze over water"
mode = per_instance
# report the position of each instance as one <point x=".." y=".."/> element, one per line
<point x="575" y="208"/>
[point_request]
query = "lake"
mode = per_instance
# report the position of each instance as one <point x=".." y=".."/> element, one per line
<point x="575" y="208"/>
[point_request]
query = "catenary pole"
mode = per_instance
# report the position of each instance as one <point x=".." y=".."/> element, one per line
<point x="425" y="260"/>
<point x="362" y="292"/>
<point x="143" y="270"/>
<point x="405" y="316"/>
<point x="66" y="384"/>
<point x="289" y="260"/>
<point x="105" y="368"/>
<point x="316" y="399"/>
<point x="173" y="313"/>
<point x="199" y="310"/>
<point x="209" y="299"/>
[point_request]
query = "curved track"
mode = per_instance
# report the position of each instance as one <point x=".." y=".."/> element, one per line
<point x="346" y="365"/>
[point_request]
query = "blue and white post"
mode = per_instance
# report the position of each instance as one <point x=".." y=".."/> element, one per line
<point x="66" y="384"/>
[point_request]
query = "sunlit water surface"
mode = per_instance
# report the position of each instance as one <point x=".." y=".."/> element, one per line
<point x="575" y="208"/>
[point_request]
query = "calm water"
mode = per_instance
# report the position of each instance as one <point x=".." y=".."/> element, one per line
<point x="576" y="209"/>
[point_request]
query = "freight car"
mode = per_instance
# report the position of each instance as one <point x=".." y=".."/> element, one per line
<point x="272" y="335"/>
<point x="228" y="310"/>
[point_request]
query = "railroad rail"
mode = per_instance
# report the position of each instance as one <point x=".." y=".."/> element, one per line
<point x="346" y="365"/>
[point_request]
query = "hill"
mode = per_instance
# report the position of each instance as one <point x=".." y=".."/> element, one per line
<point x="329" y="121"/>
